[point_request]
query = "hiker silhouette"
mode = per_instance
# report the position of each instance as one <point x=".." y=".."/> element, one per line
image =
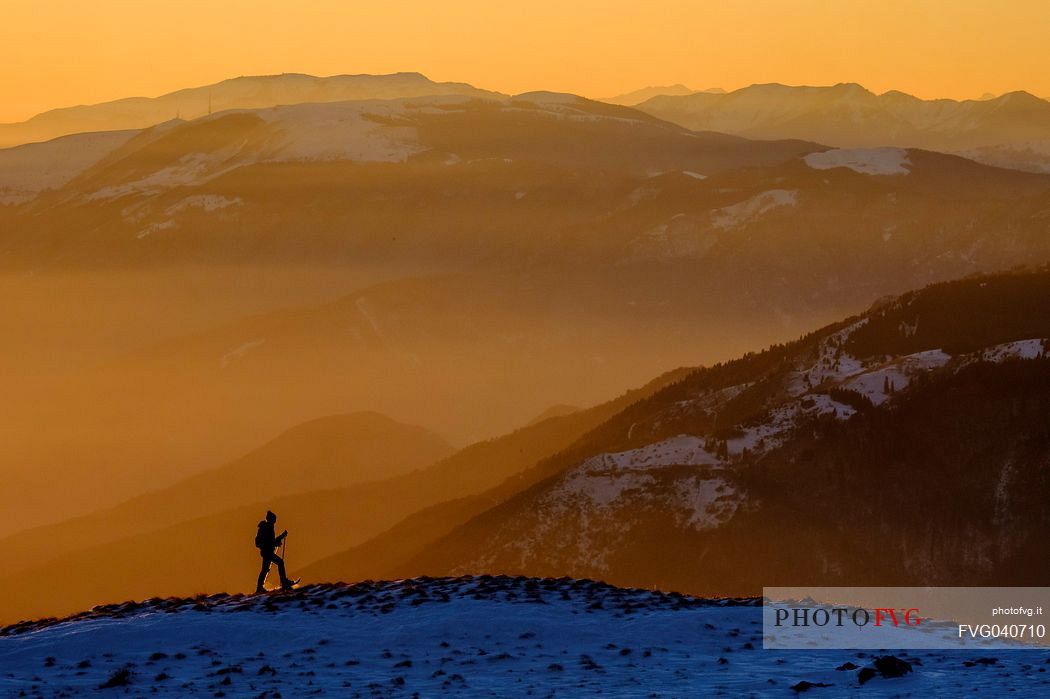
<point x="267" y="543"/>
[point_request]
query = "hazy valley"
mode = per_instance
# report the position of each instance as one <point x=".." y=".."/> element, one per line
<point x="438" y="265"/>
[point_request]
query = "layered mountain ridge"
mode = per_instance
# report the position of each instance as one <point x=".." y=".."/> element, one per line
<point x="1011" y="130"/>
<point x="905" y="446"/>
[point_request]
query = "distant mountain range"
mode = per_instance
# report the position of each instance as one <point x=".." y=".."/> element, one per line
<point x="1012" y="130"/>
<point x="247" y="270"/>
<point x="245" y="92"/>
<point x="904" y="446"/>
<point x="629" y="99"/>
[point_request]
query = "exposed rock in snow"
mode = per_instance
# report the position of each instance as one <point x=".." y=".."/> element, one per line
<point x="866" y="161"/>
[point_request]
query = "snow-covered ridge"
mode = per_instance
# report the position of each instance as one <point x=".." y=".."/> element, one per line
<point x="599" y="493"/>
<point x="469" y="636"/>
<point x="866" y="161"/>
<point x="1033" y="348"/>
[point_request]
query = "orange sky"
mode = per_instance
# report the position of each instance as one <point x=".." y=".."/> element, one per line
<point x="62" y="52"/>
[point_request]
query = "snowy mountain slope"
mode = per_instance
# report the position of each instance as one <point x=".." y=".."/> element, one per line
<point x="27" y="170"/>
<point x="551" y="127"/>
<point x="712" y="484"/>
<point x="128" y="551"/>
<point x="246" y="92"/>
<point x="481" y="636"/>
<point x="1012" y="130"/>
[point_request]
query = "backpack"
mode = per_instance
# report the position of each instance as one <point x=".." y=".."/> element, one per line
<point x="260" y="538"/>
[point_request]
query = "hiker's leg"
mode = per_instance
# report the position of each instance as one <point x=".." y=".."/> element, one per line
<point x="265" y="570"/>
<point x="280" y="567"/>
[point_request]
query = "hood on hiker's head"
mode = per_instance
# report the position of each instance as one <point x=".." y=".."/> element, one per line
<point x="271" y="517"/>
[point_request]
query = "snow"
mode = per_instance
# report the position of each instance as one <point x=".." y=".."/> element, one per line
<point x="782" y="420"/>
<point x="343" y="131"/>
<point x="468" y="637"/>
<point x="866" y="161"/>
<point x="239" y="352"/>
<point x="1019" y="349"/>
<point x="28" y="170"/>
<point x="681" y="450"/>
<point x="738" y="214"/>
<point x="207" y="202"/>
<point x="703" y="503"/>
<point x="605" y="479"/>
<point x="896" y="375"/>
<point x="605" y="493"/>
<point x="363" y="131"/>
<point x="694" y="175"/>
<point x="191" y="168"/>
<point x="589" y="487"/>
<point x="153" y="228"/>
<point x="833" y="364"/>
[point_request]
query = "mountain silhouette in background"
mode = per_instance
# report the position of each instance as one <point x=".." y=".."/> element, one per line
<point x="629" y="99"/>
<point x="71" y="564"/>
<point x="327" y="453"/>
<point x="1011" y="130"/>
<point x="245" y="92"/>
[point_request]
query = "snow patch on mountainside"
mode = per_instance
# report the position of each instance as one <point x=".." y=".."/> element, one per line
<point x="879" y="384"/>
<point x="28" y="170"/>
<point x="780" y="423"/>
<point x="206" y="202"/>
<point x="832" y="363"/>
<point x="154" y="228"/>
<point x="1019" y="349"/>
<point x="681" y="450"/>
<point x="866" y="161"/>
<point x="735" y="215"/>
<point x="191" y="168"/>
<point x="356" y="131"/>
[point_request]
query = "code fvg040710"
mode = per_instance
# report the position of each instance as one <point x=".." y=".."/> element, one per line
<point x="1011" y="631"/>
